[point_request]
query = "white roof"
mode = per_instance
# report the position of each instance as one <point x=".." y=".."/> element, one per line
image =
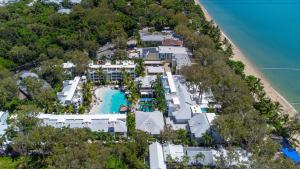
<point x="171" y="82"/>
<point x="175" y="151"/>
<point x="152" y="62"/>
<point x="119" y="64"/>
<point x="176" y="101"/>
<point x="196" y="109"/>
<point x="68" y="90"/>
<point x="155" y="69"/>
<point x="84" y="117"/>
<point x="156" y="156"/>
<point x="172" y="49"/>
<point x="210" y="117"/>
<point x="151" y="122"/>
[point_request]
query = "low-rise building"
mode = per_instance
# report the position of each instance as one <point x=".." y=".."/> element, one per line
<point x="173" y="152"/>
<point x="178" y="99"/>
<point x="155" y="70"/>
<point x="111" y="71"/>
<point x="113" y="123"/>
<point x="69" y="67"/>
<point x="154" y="38"/>
<point x="156" y="156"/>
<point x="71" y="93"/>
<point x="150" y="122"/>
<point x="199" y="125"/>
<point x="3" y="124"/>
<point x="172" y="42"/>
<point x="145" y="84"/>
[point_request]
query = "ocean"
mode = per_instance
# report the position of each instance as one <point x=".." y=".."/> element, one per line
<point x="268" y="33"/>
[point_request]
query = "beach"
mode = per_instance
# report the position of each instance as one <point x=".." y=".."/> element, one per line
<point x="97" y="104"/>
<point x="250" y="69"/>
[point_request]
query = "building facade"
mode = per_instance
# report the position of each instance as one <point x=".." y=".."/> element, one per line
<point x="111" y="71"/>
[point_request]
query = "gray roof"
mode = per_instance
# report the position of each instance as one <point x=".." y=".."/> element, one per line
<point x="146" y="81"/>
<point x="147" y="51"/>
<point x="151" y="122"/>
<point x="3" y="124"/>
<point x="105" y="124"/>
<point x="182" y="60"/>
<point x="207" y="153"/>
<point x="199" y="125"/>
<point x="183" y="113"/>
<point x="156" y="156"/>
<point x="25" y="74"/>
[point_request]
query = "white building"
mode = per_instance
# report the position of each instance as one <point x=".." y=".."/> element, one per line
<point x="111" y="71"/>
<point x="3" y="123"/>
<point x="145" y="84"/>
<point x="71" y="93"/>
<point x="150" y="122"/>
<point x="175" y="152"/>
<point x="114" y="123"/>
<point x="156" y="156"/>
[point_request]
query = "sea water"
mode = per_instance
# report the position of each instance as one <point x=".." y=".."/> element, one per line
<point x="268" y="33"/>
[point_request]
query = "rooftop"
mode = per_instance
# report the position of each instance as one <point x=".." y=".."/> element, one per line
<point x="68" y="65"/>
<point x="151" y="122"/>
<point x="96" y="122"/>
<point x="173" y="50"/>
<point x="69" y="90"/>
<point x="172" y="42"/>
<point x="199" y="124"/>
<point x="119" y="64"/>
<point x="146" y="81"/>
<point x="155" y="69"/>
<point x="173" y="151"/>
<point x="156" y="156"/>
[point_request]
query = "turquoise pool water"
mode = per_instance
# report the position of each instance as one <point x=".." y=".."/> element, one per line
<point x="203" y="110"/>
<point x="112" y="100"/>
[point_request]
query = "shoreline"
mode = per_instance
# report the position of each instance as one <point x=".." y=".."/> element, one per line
<point x="250" y="69"/>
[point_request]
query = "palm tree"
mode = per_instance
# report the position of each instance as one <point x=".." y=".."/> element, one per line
<point x="198" y="157"/>
<point x="207" y="139"/>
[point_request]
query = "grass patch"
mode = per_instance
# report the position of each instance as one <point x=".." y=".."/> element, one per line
<point x="114" y="163"/>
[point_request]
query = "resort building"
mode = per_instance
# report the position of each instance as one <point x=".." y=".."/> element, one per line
<point x="111" y="71"/>
<point x="68" y="67"/>
<point x="71" y="93"/>
<point x="3" y="123"/>
<point x="23" y="88"/>
<point x="154" y="38"/>
<point x="150" y="122"/>
<point x="201" y="124"/>
<point x="172" y="42"/>
<point x="156" y="156"/>
<point x="113" y="123"/>
<point x="153" y="63"/>
<point x="178" y="99"/>
<point x="145" y="84"/>
<point x="155" y="70"/>
<point x="178" y="56"/>
<point x="175" y="152"/>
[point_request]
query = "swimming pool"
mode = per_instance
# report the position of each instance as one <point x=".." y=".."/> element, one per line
<point x="112" y="100"/>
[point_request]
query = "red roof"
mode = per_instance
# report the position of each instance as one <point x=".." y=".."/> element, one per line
<point x="172" y="42"/>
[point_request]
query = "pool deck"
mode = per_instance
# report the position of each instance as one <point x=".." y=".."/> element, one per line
<point x="98" y="94"/>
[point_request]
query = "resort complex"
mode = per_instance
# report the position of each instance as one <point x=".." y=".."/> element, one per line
<point x="131" y="84"/>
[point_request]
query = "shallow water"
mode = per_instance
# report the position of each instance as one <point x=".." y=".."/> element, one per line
<point x="268" y="32"/>
<point x="112" y="100"/>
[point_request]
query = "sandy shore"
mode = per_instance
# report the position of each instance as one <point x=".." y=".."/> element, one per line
<point x="250" y="69"/>
<point x="99" y="92"/>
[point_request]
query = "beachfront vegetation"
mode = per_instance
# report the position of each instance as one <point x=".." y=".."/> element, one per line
<point x="39" y="38"/>
<point x="159" y="95"/>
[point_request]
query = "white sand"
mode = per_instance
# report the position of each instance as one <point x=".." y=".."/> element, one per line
<point x="250" y="69"/>
<point x="99" y="92"/>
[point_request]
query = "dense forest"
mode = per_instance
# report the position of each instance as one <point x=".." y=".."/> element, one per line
<point x="38" y="38"/>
